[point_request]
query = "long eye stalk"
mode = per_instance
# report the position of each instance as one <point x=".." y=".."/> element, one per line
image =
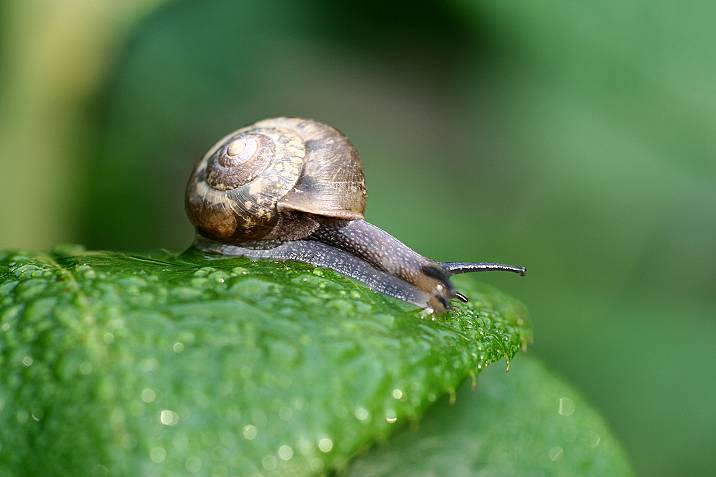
<point x="469" y="267"/>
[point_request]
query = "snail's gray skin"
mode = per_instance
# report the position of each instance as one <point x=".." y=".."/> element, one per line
<point x="293" y="189"/>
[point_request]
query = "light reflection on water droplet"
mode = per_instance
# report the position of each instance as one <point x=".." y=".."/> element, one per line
<point x="269" y="462"/>
<point x="249" y="432"/>
<point x="595" y="440"/>
<point x="27" y="361"/>
<point x="239" y="271"/>
<point x="178" y="347"/>
<point x="566" y="406"/>
<point x="361" y="413"/>
<point x="99" y="469"/>
<point x="158" y="454"/>
<point x="325" y="444"/>
<point x="397" y="393"/>
<point x="285" y="452"/>
<point x="148" y="395"/>
<point x="555" y="453"/>
<point x="391" y="417"/>
<point x="168" y="417"/>
<point x="427" y="313"/>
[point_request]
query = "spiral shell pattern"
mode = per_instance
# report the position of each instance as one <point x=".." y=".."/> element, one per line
<point x="233" y="192"/>
<point x="240" y="188"/>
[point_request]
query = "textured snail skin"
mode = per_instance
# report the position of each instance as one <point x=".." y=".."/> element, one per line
<point x="382" y="250"/>
<point x="293" y="189"/>
<point x="323" y="255"/>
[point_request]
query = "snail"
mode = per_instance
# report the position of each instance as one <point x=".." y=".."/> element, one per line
<point x="293" y="189"/>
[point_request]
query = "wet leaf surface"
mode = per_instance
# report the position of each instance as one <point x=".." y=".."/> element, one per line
<point x="165" y="364"/>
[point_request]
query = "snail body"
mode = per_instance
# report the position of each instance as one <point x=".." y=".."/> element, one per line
<point x="293" y="189"/>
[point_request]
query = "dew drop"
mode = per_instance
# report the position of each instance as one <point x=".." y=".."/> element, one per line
<point x="285" y="452"/>
<point x="100" y="469"/>
<point x="249" y="432"/>
<point x="325" y="444"/>
<point x="157" y="454"/>
<point x="566" y="407"/>
<point x="555" y="453"/>
<point x="397" y="393"/>
<point x="168" y="417"/>
<point x="269" y="462"/>
<point x="148" y="395"/>
<point x="361" y="413"/>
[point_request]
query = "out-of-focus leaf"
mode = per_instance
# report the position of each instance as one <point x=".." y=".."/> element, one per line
<point x="160" y="364"/>
<point x="526" y="423"/>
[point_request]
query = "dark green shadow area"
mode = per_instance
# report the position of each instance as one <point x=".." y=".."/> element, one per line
<point x="526" y="422"/>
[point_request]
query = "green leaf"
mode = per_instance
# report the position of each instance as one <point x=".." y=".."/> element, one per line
<point x="160" y="364"/>
<point x="526" y="423"/>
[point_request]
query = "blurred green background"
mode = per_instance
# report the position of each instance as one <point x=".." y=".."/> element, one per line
<point x="576" y="138"/>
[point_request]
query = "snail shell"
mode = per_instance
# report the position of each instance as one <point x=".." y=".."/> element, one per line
<point x="293" y="189"/>
<point x="240" y="188"/>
